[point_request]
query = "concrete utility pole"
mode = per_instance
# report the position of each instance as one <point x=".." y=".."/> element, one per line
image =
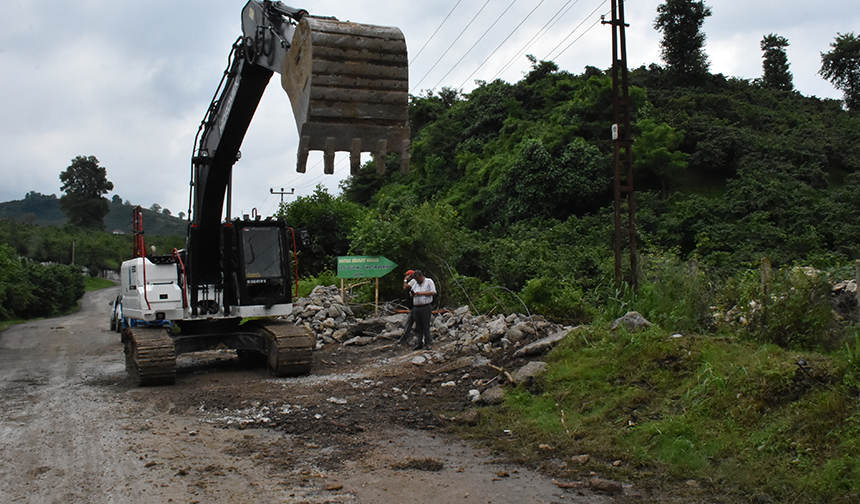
<point x="622" y="145"/>
<point x="282" y="193"/>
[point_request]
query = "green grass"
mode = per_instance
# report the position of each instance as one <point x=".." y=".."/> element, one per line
<point x="94" y="283"/>
<point x="732" y="413"/>
<point x="6" y="324"/>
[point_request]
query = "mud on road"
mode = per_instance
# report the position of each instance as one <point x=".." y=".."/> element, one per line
<point x="365" y="427"/>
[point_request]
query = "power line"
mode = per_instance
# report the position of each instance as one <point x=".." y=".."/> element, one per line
<point x="435" y="32"/>
<point x="574" y="31"/>
<point x="577" y="38"/>
<point x="552" y="21"/>
<point x="476" y="43"/>
<point x="502" y="43"/>
<point x="452" y="45"/>
<point x="339" y="165"/>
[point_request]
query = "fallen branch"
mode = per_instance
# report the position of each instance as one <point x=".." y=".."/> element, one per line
<point x="507" y="375"/>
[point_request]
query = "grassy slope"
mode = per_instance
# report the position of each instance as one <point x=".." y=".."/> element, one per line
<point x="743" y="420"/>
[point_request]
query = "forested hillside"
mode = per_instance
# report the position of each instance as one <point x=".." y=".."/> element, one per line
<point x="96" y="251"/>
<point x="44" y="210"/>
<point x="726" y="172"/>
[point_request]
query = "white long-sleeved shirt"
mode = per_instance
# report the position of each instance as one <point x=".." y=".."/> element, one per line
<point x="426" y="286"/>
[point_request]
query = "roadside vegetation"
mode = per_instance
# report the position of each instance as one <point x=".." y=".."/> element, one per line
<point x="32" y="290"/>
<point x="756" y="400"/>
<point x="745" y="388"/>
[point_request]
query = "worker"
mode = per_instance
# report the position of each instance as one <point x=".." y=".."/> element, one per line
<point x="410" y="319"/>
<point x="423" y="289"/>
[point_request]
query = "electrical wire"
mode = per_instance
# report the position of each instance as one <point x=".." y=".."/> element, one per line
<point x="577" y="38"/>
<point x="476" y="43"/>
<point x="435" y="32"/>
<point x="452" y="45"/>
<point x="543" y="31"/>
<point x="502" y="43"/>
<point x="574" y="31"/>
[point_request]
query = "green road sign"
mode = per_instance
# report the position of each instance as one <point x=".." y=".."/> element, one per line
<point x="363" y="266"/>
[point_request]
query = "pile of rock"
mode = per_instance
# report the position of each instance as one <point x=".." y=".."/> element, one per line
<point x="456" y="331"/>
<point x="324" y="312"/>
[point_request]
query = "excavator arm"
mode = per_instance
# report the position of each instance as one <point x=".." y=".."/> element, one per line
<point x="348" y="84"/>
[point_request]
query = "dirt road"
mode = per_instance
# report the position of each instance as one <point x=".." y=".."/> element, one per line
<point x="360" y="428"/>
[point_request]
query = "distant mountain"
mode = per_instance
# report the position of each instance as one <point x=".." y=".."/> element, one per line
<point x="35" y="208"/>
<point x="44" y="210"/>
<point x="154" y="223"/>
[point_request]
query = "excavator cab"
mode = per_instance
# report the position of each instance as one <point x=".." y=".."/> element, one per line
<point x="261" y="266"/>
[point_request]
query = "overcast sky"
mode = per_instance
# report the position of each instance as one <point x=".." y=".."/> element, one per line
<point x="129" y="82"/>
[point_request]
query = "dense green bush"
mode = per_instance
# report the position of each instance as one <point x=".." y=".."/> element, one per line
<point x="793" y="310"/>
<point x="30" y="290"/>
<point x="426" y="237"/>
<point x="675" y="294"/>
<point x="559" y="299"/>
<point x="325" y="222"/>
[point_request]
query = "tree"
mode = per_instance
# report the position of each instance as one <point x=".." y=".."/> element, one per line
<point x="539" y="184"/>
<point x="327" y="220"/>
<point x="841" y="66"/>
<point x="657" y="151"/>
<point x="775" y="65"/>
<point x="84" y="183"/>
<point x="155" y="208"/>
<point x="683" y="41"/>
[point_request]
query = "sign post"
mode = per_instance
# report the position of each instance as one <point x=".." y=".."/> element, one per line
<point x="364" y="267"/>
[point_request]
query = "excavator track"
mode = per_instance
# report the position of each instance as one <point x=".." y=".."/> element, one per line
<point x="150" y="357"/>
<point x="290" y="348"/>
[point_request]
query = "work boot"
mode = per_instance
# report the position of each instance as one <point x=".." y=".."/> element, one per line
<point x="419" y="345"/>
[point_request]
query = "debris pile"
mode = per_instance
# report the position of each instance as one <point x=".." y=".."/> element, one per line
<point x="457" y="331"/>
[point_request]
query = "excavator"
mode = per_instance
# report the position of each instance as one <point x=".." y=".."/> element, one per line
<point x="231" y="286"/>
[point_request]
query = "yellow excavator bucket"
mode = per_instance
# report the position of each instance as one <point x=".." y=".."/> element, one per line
<point x="349" y="88"/>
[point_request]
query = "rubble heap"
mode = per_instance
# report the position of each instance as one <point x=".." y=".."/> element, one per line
<point x="459" y="331"/>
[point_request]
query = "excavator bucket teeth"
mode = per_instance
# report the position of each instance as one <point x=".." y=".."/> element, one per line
<point x="349" y="87"/>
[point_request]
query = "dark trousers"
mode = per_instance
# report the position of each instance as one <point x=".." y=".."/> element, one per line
<point x="422" y="322"/>
<point x="410" y="325"/>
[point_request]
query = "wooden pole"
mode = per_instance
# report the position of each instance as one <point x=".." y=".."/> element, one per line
<point x="376" y="302"/>
<point x="857" y="283"/>
<point x="766" y="278"/>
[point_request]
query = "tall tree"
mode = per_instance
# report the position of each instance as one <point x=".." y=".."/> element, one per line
<point x="328" y="220"/>
<point x="682" y="47"/>
<point x="841" y="66"/>
<point x="775" y="64"/>
<point x="84" y="183"/>
<point x="657" y="151"/>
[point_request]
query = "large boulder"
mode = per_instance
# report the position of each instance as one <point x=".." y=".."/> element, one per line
<point x="542" y="345"/>
<point x="528" y="373"/>
<point x="632" y="321"/>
